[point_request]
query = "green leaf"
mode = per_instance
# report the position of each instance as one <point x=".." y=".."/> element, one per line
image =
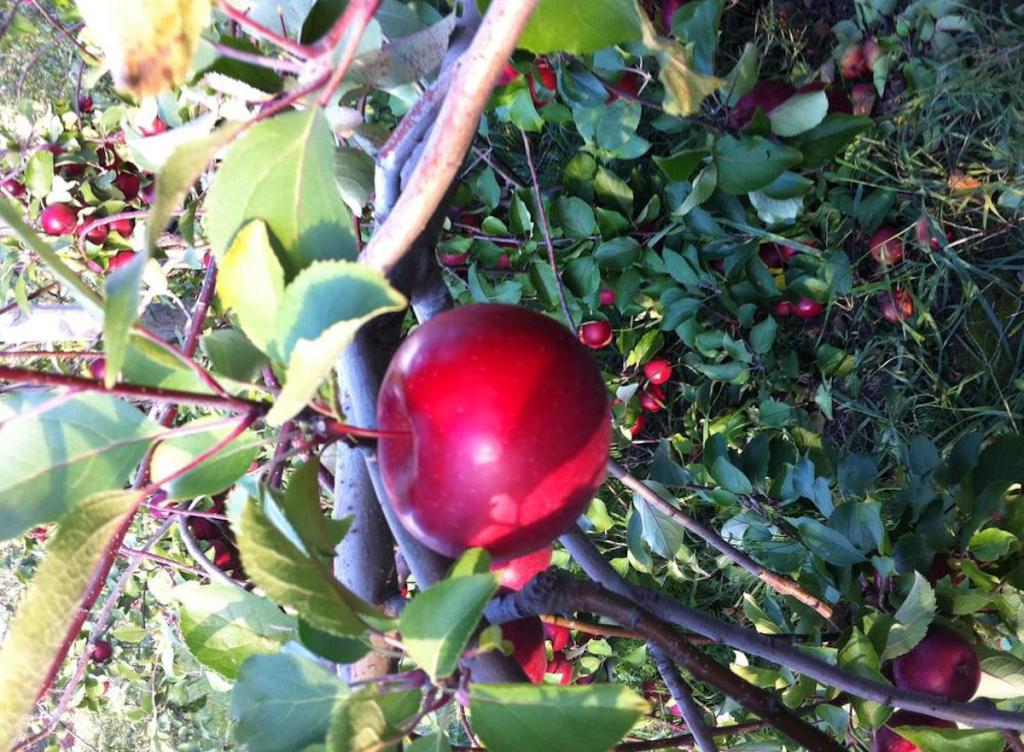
<point x="293" y="579"/>
<point x="354" y="169"/>
<point x="680" y="166"/>
<point x="274" y="688"/>
<point x="320" y="313"/>
<point x="224" y="625"/>
<point x="751" y="162"/>
<point x="860" y="522"/>
<point x="333" y="648"/>
<point x="762" y="336"/>
<point x="913" y="618"/>
<point x="857" y="474"/>
<point x="120" y="310"/>
<point x="730" y="477"/>
<point x="300" y="503"/>
<point x="575" y="217"/>
<point x="149" y="49"/>
<point x="685" y="88"/>
<point x="437" y="624"/>
<point x="232" y="354"/>
<point x="431" y="743"/>
<point x="820" y="144"/>
<point x="618" y="254"/>
<point x="39" y="173"/>
<point x="578" y="26"/>
<point x="799" y="113"/>
<point x="51" y="604"/>
<point x="370" y="720"/>
<point x="826" y="543"/>
<point x="282" y="171"/>
<point x="522" y="112"/>
<point x="859" y="657"/>
<point x="662" y="533"/>
<point x="931" y="739"/>
<point x="406" y="59"/>
<point x="179" y="173"/>
<point x="775" y="414"/>
<point x="214" y="475"/>
<point x="523" y="718"/>
<point x="703" y="187"/>
<point x="55" y="459"/>
<point x="991" y="544"/>
<point x="251" y="282"/>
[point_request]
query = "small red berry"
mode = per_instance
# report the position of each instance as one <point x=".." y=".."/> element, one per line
<point x="559" y="636"/>
<point x="100" y="651"/>
<point x="120" y="259"/>
<point x="638" y="425"/>
<point x="128" y="183"/>
<point x="13" y="188"/>
<point x="85" y="105"/>
<point x="783" y="308"/>
<point x="504" y="262"/>
<point x="454" y="259"/>
<point x="97" y="235"/>
<point x="607" y="296"/>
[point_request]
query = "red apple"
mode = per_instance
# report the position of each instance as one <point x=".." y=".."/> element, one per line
<point x="638" y="425"/>
<point x="596" y="334"/>
<point x="548" y="80"/>
<point x="928" y="239"/>
<point x="108" y="158"/>
<point x="504" y="262"/>
<point x="98" y="368"/>
<point x="119" y="259"/>
<point x="13" y="188"/>
<point x="527" y="638"/>
<point x="652" y="398"/>
<point x="668" y="12"/>
<point x="943" y="663"/>
<point x="73" y="171"/>
<point x="58" y="219"/>
<point x="770" y="256"/>
<point x="483" y="461"/>
<point x="123" y="227"/>
<point x="560" y="665"/>
<point x="872" y="52"/>
<point x="658" y="371"/>
<point x="607" y="296"/>
<point x="454" y="259"/>
<point x="97" y="234"/>
<point x="128" y="183"/>
<point x="85" y="105"/>
<point x="887" y="740"/>
<point x="886" y="246"/>
<point x="805" y="308"/>
<point x="766" y="95"/>
<point x="508" y="75"/>
<point x="514" y="574"/>
<point x="896" y="306"/>
<point x="863" y="96"/>
<point x="100" y="651"/>
<point x="560" y="636"/>
<point x="156" y="127"/>
<point x="853" y="64"/>
<point x="628" y="86"/>
<point x="783" y="308"/>
<point x="203" y="528"/>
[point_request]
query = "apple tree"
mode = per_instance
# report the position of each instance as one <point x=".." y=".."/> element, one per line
<point x="390" y="299"/>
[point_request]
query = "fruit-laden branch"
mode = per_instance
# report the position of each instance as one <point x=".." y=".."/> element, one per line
<point x="557" y="591"/>
<point x="978" y="714"/>
<point x="453" y="132"/>
<point x="782" y="584"/>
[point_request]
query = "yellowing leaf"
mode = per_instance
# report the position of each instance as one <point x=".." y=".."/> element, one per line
<point x="958" y="181"/>
<point x="148" y="43"/>
<point x="685" y="88"/>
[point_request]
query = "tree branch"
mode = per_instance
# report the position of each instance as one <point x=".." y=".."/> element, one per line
<point x="683" y="696"/>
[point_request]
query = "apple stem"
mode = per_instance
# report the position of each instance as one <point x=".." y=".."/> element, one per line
<point x="334" y="429"/>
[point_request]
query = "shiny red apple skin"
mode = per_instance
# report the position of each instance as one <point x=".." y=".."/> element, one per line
<point x="652" y="398"/>
<point x="501" y="453"/>
<point x="783" y="308"/>
<point x="658" y="371"/>
<point x="638" y="425"/>
<point x="805" y="308"/>
<point x="887" y="740"/>
<point x="560" y="636"/>
<point x="527" y="638"/>
<point x="514" y="574"/>
<point x="596" y="334"/>
<point x="129" y="184"/>
<point x="943" y="664"/>
<point x="119" y="259"/>
<point x="123" y="227"/>
<point x="560" y="666"/>
<point x="13" y="188"/>
<point x="607" y="296"/>
<point x="100" y="651"/>
<point x="58" y="219"/>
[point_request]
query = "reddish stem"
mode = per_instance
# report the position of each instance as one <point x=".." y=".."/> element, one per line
<point x="354" y="21"/>
<point x="257" y="29"/>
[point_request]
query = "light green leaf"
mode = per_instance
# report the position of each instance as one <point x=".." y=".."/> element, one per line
<point x="575" y="216"/>
<point x="991" y="544"/>
<point x="47" y="612"/>
<point x="680" y="166"/>
<point x="799" y="113"/>
<point x="437" y="623"/>
<point x="320" y="313"/>
<point x="39" y="173"/>
<point x="120" y="310"/>
<point x="299" y="581"/>
<point x="251" y="281"/>
<point x="931" y="739"/>
<point x="55" y="459"/>
<point x="354" y="169"/>
<point x="272" y="688"/>
<point x="224" y="625"/>
<point x="831" y="136"/>
<point x="523" y="718"/>
<point x="913" y="618"/>
<point x="859" y="657"/>
<point x="300" y="503"/>
<point x="232" y="354"/>
<point x="282" y="171"/>
<point x="578" y="27"/>
<point x="215" y="474"/>
<point x="370" y="720"/>
<point x="179" y="173"/>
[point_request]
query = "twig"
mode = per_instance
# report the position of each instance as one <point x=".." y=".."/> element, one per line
<point x="452" y="134"/>
<point x="683" y="696"/>
<point x="1014" y="741"/>
<point x="8" y="19"/>
<point x="259" y="30"/>
<point x="782" y="584"/>
<point x="163" y="560"/>
<point x="59" y="27"/>
<point x="31" y="296"/>
<point x="208" y="567"/>
<point x="546" y="230"/>
<point x="979" y="714"/>
<point x="263" y="61"/>
<point x="352" y="24"/>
